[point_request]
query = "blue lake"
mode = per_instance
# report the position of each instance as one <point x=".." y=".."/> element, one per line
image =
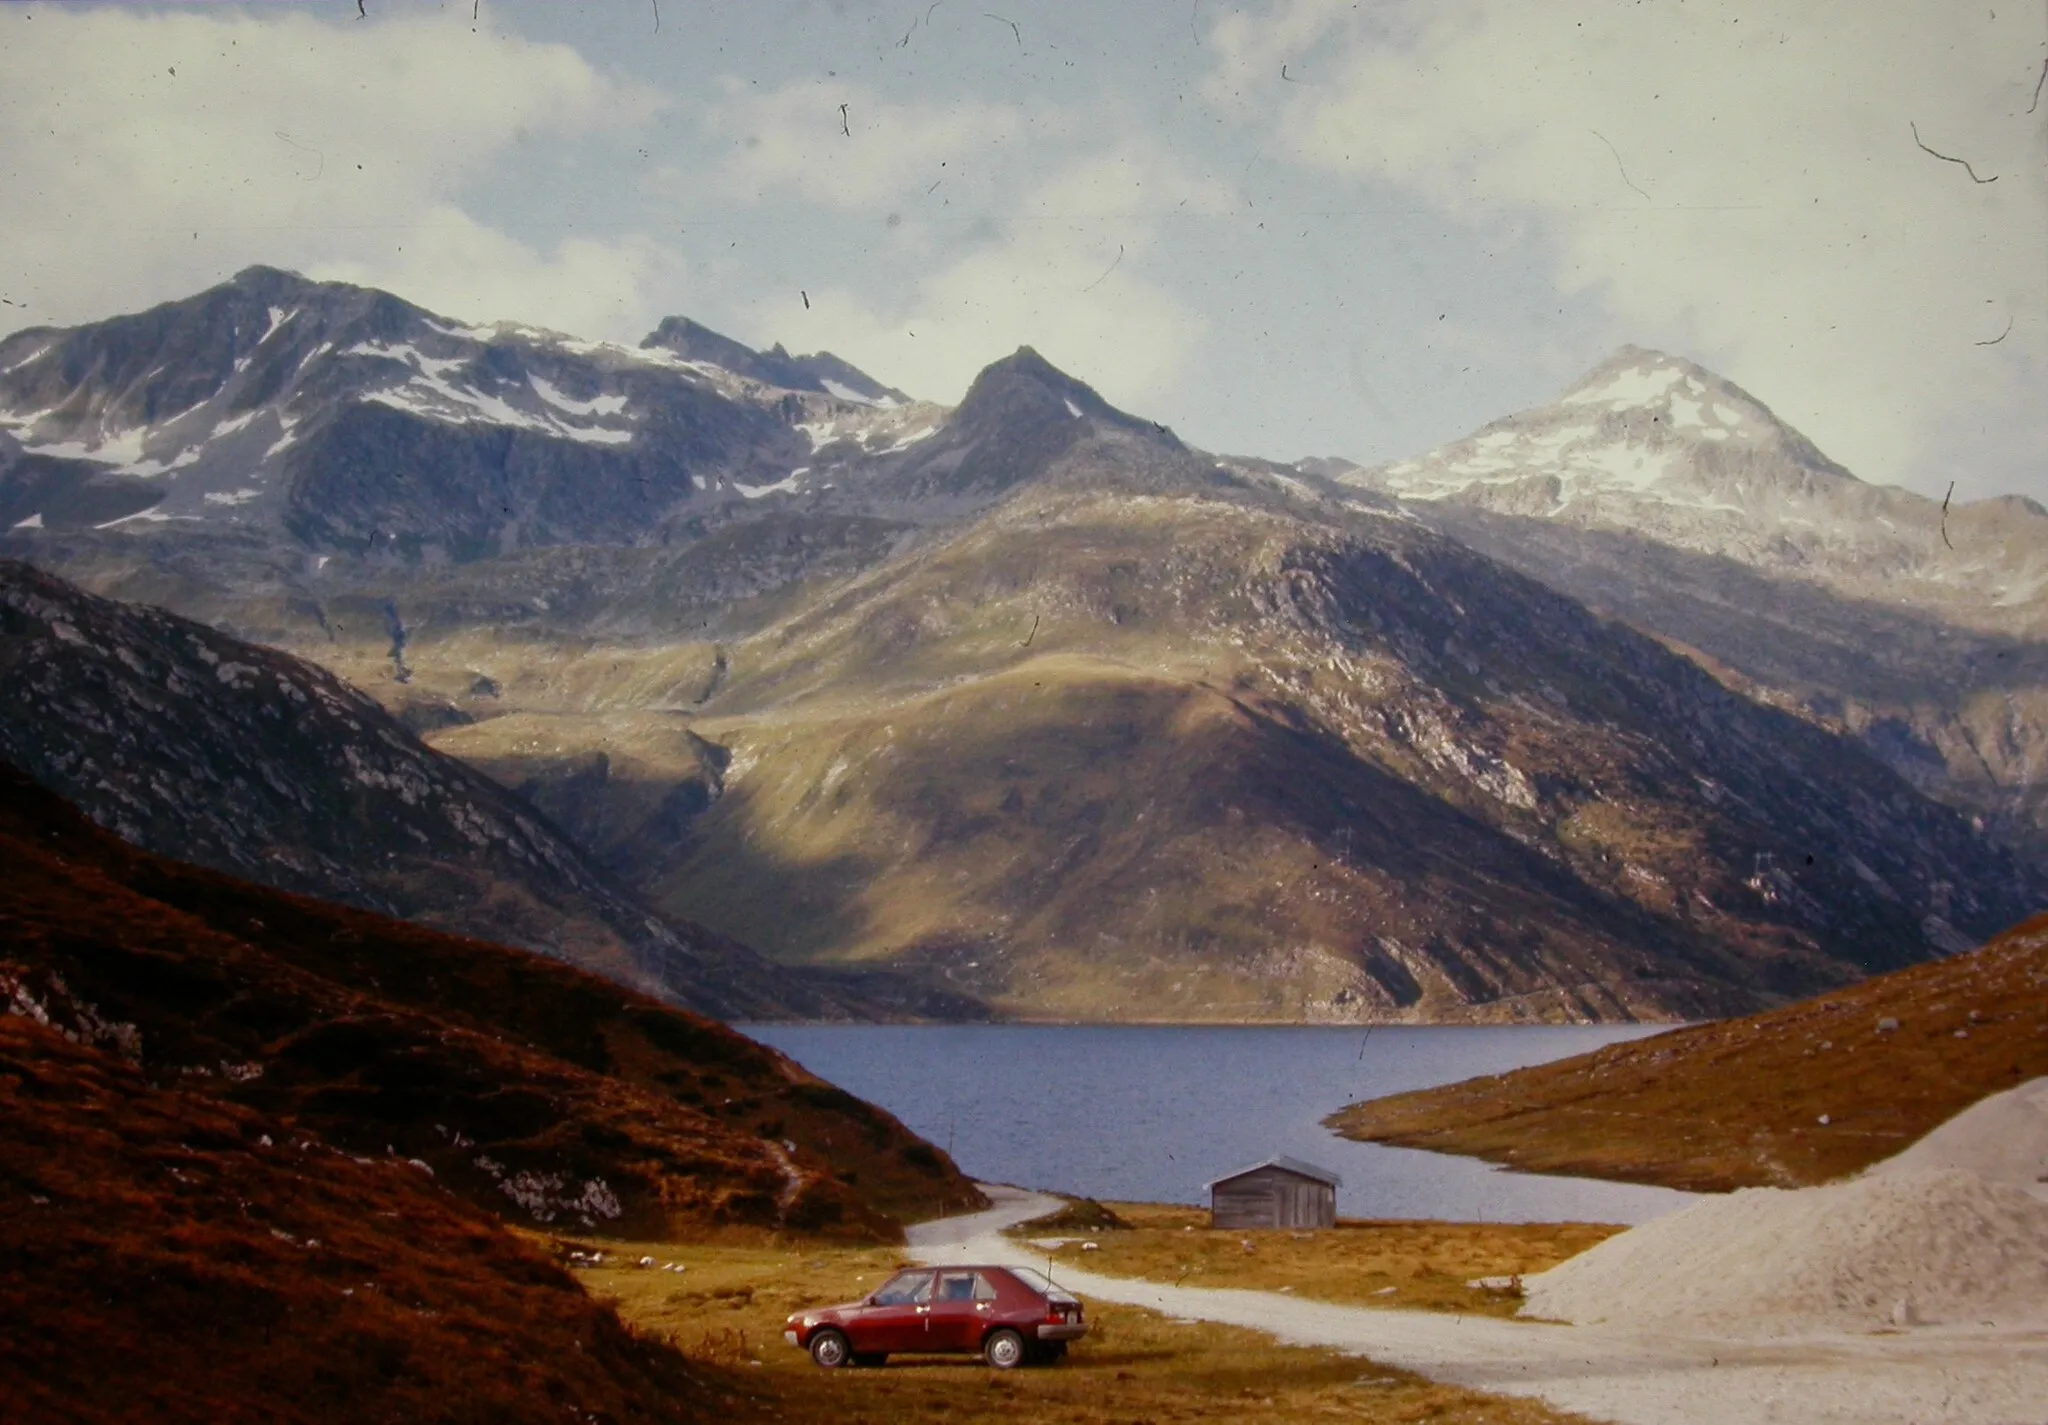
<point x="1152" y="1113"/>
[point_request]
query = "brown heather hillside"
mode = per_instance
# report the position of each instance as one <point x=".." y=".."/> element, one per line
<point x="534" y="1090"/>
<point x="1801" y="1095"/>
<point x="173" y="1257"/>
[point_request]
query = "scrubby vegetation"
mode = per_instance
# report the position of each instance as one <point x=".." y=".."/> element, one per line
<point x="726" y="1306"/>
<point x="173" y="1257"/>
<point x="1797" y="1096"/>
<point x="1426" y="1266"/>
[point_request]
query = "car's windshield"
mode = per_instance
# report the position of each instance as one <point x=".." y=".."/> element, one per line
<point x="905" y="1288"/>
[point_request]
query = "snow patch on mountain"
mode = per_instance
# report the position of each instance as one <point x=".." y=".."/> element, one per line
<point x="31" y="359"/>
<point x="595" y="406"/>
<point x="844" y="392"/>
<point x="786" y="485"/>
<point x="118" y="448"/>
<point x="431" y="394"/>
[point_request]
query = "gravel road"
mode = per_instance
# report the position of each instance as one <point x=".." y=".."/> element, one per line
<point x="1924" y="1376"/>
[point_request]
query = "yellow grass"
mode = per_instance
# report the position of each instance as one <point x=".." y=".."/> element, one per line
<point x="725" y="1311"/>
<point x="1413" y="1265"/>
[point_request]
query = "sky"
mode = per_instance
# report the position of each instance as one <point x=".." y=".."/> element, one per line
<point x="1300" y="227"/>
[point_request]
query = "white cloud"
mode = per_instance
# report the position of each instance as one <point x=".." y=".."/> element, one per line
<point x="1067" y="271"/>
<point x="796" y="141"/>
<point x="456" y="265"/>
<point x="148" y="155"/>
<point x="1738" y="180"/>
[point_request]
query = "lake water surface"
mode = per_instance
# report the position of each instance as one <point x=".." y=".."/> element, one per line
<point x="1152" y="1113"/>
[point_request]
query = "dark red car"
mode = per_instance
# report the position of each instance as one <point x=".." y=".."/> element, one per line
<point x="1009" y="1316"/>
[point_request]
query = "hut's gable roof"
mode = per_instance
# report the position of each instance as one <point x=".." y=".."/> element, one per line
<point x="1285" y="1165"/>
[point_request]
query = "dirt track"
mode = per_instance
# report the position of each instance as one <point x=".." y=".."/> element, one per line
<point x="1918" y="1377"/>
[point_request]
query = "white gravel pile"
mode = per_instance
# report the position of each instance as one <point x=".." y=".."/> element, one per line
<point x="2003" y="1138"/>
<point x="1905" y="1247"/>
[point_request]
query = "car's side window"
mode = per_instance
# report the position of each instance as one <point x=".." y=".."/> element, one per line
<point x="984" y="1289"/>
<point x="957" y="1286"/>
<point x="905" y="1289"/>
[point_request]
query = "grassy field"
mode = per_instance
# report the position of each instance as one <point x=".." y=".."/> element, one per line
<point x="725" y="1312"/>
<point x="1416" y="1265"/>
<point x="1797" y="1096"/>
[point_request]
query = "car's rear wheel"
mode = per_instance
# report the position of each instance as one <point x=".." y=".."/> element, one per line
<point x="1003" y="1350"/>
<point x="870" y="1359"/>
<point x="830" y="1350"/>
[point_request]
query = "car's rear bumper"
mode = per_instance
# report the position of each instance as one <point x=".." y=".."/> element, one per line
<point x="1062" y="1330"/>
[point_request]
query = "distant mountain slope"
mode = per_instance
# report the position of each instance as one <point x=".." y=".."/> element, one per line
<point x="173" y="1257"/>
<point x="1669" y="497"/>
<point x="1160" y="737"/>
<point x="1797" y="1096"/>
<point x="1036" y="703"/>
<point x="190" y="743"/>
<point x="536" y="1091"/>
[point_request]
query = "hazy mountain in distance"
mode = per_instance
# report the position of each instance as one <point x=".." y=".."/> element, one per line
<point x="1671" y="498"/>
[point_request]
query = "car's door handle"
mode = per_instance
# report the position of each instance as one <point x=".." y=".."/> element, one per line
<point x="924" y="1311"/>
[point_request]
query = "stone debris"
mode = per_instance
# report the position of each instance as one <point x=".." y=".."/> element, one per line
<point x="1954" y="1246"/>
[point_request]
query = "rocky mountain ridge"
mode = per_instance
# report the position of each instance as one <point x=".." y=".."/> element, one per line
<point x="354" y="422"/>
<point x="1036" y="703"/>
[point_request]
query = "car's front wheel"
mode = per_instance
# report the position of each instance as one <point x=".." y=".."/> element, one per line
<point x="829" y="1350"/>
<point x="1003" y="1350"/>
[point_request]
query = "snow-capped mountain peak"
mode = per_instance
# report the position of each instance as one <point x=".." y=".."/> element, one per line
<point x="1652" y="446"/>
<point x="1642" y="428"/>
<point x="246" y="403"/>
<point x="1683" y="397"/>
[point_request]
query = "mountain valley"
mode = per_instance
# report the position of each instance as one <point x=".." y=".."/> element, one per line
<point x="1033" y="709"/>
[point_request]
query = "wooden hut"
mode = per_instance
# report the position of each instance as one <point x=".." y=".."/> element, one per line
<point x="1280" y="1192"/>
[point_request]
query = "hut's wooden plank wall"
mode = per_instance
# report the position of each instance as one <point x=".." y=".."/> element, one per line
<point x="1272" y="1196"/>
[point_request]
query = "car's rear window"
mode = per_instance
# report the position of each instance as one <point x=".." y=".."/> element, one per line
<point x="1037" y="1281"/>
